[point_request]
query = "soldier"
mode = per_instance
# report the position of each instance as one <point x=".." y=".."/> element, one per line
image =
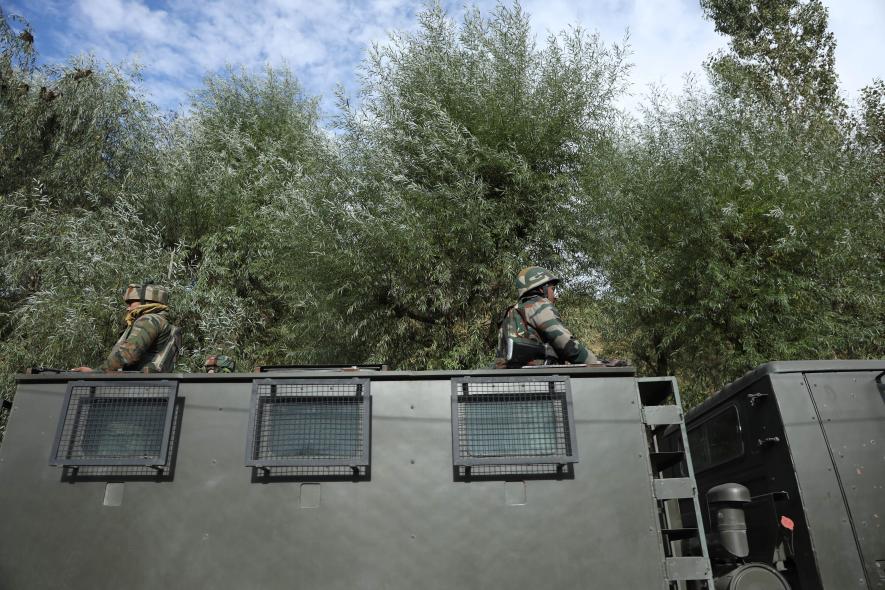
<point x="531" y="326"/>
<point x="219" y="364"/>
<point x="150" y="343"/>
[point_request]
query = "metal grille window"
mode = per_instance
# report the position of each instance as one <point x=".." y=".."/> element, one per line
<point x="514" y="421"/>
<point x="115" y="423"/>
<point x="299" y="422"/>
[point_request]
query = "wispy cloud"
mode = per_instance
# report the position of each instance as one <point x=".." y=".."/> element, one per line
<point x="324" y="41"/>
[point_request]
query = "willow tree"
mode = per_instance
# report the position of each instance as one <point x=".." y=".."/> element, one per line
<point x="457" y="166"/>
<point x="782" y="53"/>
<point x="74" y="141"/>
<point x="739" y="225"/>
<point x="248" y="141"/>
<point x="80" y="129"/>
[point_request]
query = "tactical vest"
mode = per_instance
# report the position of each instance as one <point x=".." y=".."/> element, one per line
<point x="163" y="352"/>
<point x="515" y="325"/>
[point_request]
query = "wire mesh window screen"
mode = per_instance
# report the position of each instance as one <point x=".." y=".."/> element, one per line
<point x="115" y="423"/>
<point x="514" y="421"/>
<point x="309" y="423"/>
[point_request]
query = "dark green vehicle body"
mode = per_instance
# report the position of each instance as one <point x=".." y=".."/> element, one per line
<point x="808" y="440"/>
<point x="408" y="512"/>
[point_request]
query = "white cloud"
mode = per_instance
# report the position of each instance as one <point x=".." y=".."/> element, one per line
<point x="324" y="40"/>
<point x="129" y="16"/>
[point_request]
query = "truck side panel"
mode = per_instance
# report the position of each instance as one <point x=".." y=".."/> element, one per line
<point x="410" y="526"/>
<point x="825" y="511"/>
<point x="852" y="414"/>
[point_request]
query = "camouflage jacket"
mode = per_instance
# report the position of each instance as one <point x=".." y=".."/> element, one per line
<point x="535" y="318"/>
<point x="150" y="344"/>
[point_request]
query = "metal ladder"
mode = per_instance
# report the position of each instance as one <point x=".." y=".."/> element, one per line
<point x="659" y="413"/>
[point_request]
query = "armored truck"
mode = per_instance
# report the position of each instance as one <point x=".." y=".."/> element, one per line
<point x="790" y="464"/>
<point x="347" y="478"/>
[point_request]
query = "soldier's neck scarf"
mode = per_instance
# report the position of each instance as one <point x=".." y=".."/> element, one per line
<point x="145" y="309"/>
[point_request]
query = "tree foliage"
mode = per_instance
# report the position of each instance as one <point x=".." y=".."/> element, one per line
<point x="457" y="168"/>
<point x="738" y="225"/>
<point x="77" y="128"/>
<point x="781" y="52"/>
<point x="721" y="229"/>
<point x="250" y="140"/>
<point x="756" y="242"/>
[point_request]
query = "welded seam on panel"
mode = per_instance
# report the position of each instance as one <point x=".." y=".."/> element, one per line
<point x="522" y="422"/>
<point x="124" y="423"/>
<point x="309" y="423"/>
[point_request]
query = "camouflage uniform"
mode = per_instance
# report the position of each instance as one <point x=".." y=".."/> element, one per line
<point x="151" y="342"/>
<point x="219" y="364"/>
<point x="534" y="318"/>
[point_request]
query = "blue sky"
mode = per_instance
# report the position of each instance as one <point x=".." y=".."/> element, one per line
<point x="323" y="41"/>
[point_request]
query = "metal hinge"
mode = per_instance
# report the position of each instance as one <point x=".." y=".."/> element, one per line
<point x="756" y="398"/>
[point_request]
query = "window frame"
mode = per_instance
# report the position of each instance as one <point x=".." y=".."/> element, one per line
<point x="706" y="438"/>
<point x="363" y="386"/>
<point x="568" y="421"/>
<point x="80" y="423"/>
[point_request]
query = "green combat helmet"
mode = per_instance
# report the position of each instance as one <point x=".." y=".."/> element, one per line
<point x="531" y="277"/>
<point x="146" y="292"/>
<point x="219" y="364"/>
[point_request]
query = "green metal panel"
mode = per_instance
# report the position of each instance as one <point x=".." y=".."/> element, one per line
<point x="852" y="415"/>
<point x="411" y="525"/>
<point x="829" y="526"/>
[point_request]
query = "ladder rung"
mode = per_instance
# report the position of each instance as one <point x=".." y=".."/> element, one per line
<point x="687" y="568"/>
<point x="673" y="488"/>
<point x="661" y="415"/>
<point x="679" y="534"/>
<point x="663" y="459"/>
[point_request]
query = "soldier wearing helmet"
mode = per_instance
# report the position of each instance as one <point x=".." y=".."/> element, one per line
<point x="219" y="363"/>
<point x="533" y="322"/>
<point x="150" y="342"/>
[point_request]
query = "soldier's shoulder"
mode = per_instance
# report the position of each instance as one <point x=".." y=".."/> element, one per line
<point x="156" y="321"/>
<point x="531" y="300"/>
<point x="536" y="302"/>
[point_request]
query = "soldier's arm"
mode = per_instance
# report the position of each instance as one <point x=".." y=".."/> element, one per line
<point x="554" y="333"/>
<point x="126" y="352"/>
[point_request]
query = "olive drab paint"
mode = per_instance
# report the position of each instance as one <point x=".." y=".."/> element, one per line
<point x="806" y="439"/>
<point x="409" y="519"/>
